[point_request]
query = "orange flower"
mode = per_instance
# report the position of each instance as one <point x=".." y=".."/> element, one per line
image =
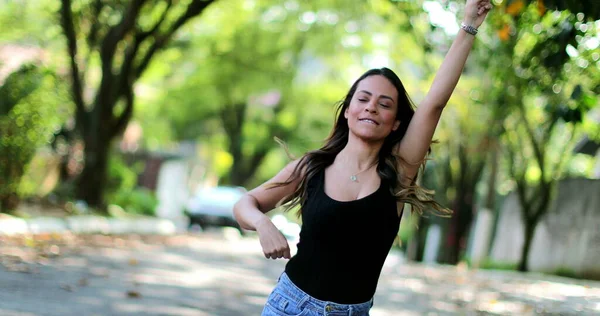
<point x="515" y="7"/>
<point x="541" y="7"/>
<point x="504" y="33"/>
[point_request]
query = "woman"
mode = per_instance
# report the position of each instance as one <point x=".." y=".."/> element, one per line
<point x="352" y="190"/>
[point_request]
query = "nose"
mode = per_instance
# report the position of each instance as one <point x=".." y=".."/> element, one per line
<point x="371" y="107"/>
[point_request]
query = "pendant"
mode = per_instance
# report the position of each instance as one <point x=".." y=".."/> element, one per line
<point x="353" y="178"/>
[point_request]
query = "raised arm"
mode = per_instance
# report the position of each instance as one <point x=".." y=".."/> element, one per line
<point x="419" y="134"/>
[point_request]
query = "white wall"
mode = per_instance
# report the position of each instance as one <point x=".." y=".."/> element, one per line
<point x="172" y="191"/>
<point x="567" y="237"/>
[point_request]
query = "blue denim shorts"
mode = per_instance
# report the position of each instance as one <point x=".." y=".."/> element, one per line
<point x="288" y="300"/>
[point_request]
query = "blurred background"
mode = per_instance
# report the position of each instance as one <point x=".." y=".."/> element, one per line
<point x="152" y="117"/>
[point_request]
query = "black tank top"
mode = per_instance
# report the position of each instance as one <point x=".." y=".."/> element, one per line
<point x="343" y="245"/>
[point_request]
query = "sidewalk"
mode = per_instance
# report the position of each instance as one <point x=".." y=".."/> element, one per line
<point x="86" y="224"/>
<point x="214" y="274"/>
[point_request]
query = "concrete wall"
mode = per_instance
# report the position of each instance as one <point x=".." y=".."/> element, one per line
<point x="172" y="191"/>
<point x="567" y="237"/>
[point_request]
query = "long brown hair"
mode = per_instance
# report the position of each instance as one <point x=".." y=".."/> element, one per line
<point x="315" y="161"/>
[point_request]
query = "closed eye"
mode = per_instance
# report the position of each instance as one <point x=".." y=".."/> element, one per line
<point x="363" y="100"/>
<point x="384" y="105"/>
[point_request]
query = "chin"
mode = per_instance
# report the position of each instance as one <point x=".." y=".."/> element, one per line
<point x="369" y="137"/>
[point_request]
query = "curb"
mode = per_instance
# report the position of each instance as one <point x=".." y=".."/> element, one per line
<point x="87" y="224"/>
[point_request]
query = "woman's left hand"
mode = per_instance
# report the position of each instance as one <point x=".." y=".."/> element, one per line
<point x="476" y="11"/>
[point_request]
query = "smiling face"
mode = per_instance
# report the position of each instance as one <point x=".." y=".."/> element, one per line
<point x="372" y="111"/>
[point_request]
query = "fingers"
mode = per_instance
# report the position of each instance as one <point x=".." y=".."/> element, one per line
<point x="483" y="6"/>
<point x="278" y="252"/>
<point x="273" y="243"/>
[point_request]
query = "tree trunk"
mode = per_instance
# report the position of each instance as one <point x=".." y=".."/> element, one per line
<point x="237" y="175"/>
<point x="529" y="230"/>
<point x="244" y="166"/>
<point x="464" y="205"/>
<point x="12" y="170"/>
<point x="461" y="222"/>
<point x="464" y="218"/>
<point x="416" y="244"/>
<point x="490" y="201"/>
<point x="92" y="180"/>
<point x="9" y="203"/>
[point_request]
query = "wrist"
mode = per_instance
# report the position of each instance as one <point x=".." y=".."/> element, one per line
<point x="470" y="22"/>
<point x="261" y="222"/>
<point x="469" y="28"/>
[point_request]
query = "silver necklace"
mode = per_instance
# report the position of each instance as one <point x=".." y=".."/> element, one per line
<point x="354" y="177"/>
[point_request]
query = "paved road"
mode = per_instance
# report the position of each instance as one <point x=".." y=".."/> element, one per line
<point x="219" y="273"/>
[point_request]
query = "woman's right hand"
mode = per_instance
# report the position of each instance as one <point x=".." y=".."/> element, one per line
<point x="273" y="242"/>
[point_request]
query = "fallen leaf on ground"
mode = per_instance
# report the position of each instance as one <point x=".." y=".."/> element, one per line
<point x="83" y="282"/>
<point x="67" y="287"/>
<point x="133" y="294"/>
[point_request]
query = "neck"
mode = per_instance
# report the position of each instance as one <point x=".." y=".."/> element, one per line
<point x="358" y="154"/>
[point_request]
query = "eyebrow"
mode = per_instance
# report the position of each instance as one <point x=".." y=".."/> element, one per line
<point x="383" y="96"/>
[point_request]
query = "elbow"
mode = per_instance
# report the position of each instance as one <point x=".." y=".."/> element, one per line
<point x="237" y="210"/>
<point x="239" y="213"/>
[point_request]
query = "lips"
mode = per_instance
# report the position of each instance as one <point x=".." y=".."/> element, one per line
<point x="368" y="120"/>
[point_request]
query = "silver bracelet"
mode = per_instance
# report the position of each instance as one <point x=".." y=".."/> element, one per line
<point x="469" y="29"/>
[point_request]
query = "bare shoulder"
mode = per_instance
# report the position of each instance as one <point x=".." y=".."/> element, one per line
<point x="275" y="189"/>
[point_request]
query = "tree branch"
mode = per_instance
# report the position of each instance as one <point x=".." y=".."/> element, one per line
<point x="523" y="198"/>
<point x="549" y="130"/>
<point x="544" y="200"/>
<point x="156" y="26"/>
<point x="536" y="147"/>
<point x="92" y="38"/>
<point x="478" y="170"/>
<point x="77" y="81"/>
<point x="521" y="183"/>
<point x="117" y="32"/>
<point x="193" y="9"/>
<point x="110" y="90"/>
<point x="131" y="53"/>
<point x="123" y="119"/>
<point x="561" y="159"/>
<point x="266" y="145"/>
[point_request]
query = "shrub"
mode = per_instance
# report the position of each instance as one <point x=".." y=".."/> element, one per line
<point x="33" y="104"/>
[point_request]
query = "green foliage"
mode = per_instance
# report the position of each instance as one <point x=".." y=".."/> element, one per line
<point x="122" y="188"/>
<point x="121" y="177"/>
<point x="34" y="104"/>
<point x="545" y="65"/>
<point x="41" y="174"/>
<point x="140" y="201"/>
<point x="270" y="69"/>
<point x="17" y="16"/>
<point x="552" y="91"/>
<point x="590" y="7"/>
<point x="497" y="265"/>
<point x="566" y="272"/>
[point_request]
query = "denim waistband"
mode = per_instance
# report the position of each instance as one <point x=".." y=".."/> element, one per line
<point x="304" y="300"/>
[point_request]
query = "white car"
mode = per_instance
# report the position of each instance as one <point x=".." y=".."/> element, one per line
<point x="214" y="207"/>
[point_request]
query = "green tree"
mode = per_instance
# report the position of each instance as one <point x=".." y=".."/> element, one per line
<point x="545" y="93"/>
<point x="274" y="70"/>
<point x="32" y="105"/>
<point x="110" y="45"/>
